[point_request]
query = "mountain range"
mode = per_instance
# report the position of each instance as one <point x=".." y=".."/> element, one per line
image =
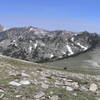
<point x="39" y="45"/>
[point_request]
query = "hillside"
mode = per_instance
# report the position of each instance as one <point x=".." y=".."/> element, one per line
<point x="20" y="80"/>
<point x="39" y="45"/>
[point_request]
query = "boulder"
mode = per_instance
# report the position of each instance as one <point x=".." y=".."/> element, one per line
<point x="69" y="88"/>
<point x="93" y="87"/>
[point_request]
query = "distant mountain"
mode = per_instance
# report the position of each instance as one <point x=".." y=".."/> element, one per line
<point x="38" y="45"/>
<point x="3" y="28"/>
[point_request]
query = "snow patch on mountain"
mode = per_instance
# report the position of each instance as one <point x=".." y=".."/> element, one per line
<point x="70" y="50"/>
<point x="72" y="39"/>
<point x="83" y="47"/>
<point x="30" y="49"/>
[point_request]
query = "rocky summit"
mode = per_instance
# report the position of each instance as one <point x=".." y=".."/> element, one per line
<point x="39" y="45"/>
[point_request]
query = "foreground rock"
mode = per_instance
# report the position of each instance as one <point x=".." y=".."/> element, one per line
<point x="69" y="88"/>
<point x="39" y="95"/>
<point x="93" y="87"/>
<point x="22" y="82"/>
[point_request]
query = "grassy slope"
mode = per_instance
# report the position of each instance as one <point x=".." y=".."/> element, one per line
<point x="27" y="92"/>
<point x="88" y="62"/>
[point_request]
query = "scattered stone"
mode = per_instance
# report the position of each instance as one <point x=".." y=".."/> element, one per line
<point x="45" y="86"/>
<point x="63" y="87"/>
<point x="39" y="95"/>
<point x="69" y="80"/>
<point x="83" y="88"/>
<point x="55" y="97"/>
<point x="67" y="83"/>
<point x="43" y="98"/>
<point x="69" y="88"/>
<point x="75" y="85"/>
<point x="51" y="92"/>
<point x="74" y="94"/>
<point x="13" y="83"/>
<point x="58" y="83"/>
<point x="12" y="74"/>
<point x="98" y="92"/>
<point x="35" y="82"/>
<point x="1" y="90"/>
<point x="25" y="75"/>
<point x="97" y="98"/>
<point x="24" y="82"/>
<point x="93" y="87"/>
<point x="46" y="81"/>
<point x="18" y="96"/>
<point x="1" y="96"/>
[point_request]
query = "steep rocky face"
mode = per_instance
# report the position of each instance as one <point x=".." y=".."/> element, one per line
<point x="38" y="45"/>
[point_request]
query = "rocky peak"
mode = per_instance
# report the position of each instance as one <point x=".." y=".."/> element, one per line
<point x="38" y="45"/>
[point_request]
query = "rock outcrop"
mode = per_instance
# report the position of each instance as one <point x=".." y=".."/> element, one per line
<point x="38" y="45"/>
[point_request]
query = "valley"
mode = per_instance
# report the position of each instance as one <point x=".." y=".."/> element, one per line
<point x="87" y="62"/>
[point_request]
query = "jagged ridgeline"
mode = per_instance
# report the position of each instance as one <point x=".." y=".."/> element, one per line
<point x="38" y="45"/>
